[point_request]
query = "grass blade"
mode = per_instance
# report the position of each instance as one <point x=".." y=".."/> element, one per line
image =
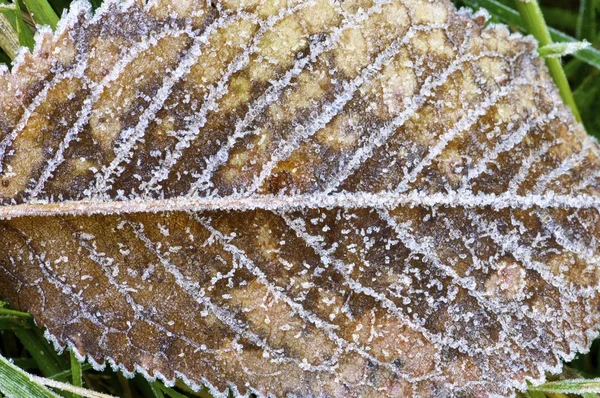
<point x="75" y="372"/>
<point x="156" y="390"/>
<point x="531" y="14"/>
<point x="590" y="55"/>
<point x="125" y="386"/>
<point x="25" y="34"/>
<point x="560" y="18"/>
<point x="557" y="50"/>
<point x="9" y="38"/>
<point x="510" y="16"/>
<point x="84" y="392"/>
<point x="4" y="58"/>
<point x="15" y="382"/>
<point x="574" y="386"/>
<point x="203" y="393"/>
<point x="573" y="67"/>
<point x="41" y="12"/>
<point x="24" y="363"/>
<point x="586" y="20"/>
<point x="146" y="388"/>
<point x="66" y="375"/>
<point x="534" y="394"/>
<point x="7" y="7"/>
<point x="10" y="319"/>
<point x="170" y="392"/>
<point x="42" y="353"/>
<point x="587" y="97"/>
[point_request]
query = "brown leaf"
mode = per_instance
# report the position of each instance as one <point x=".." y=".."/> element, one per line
<point x="309" y="198"/>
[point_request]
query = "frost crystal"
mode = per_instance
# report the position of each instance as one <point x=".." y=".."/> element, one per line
<point x="301" y="197"/>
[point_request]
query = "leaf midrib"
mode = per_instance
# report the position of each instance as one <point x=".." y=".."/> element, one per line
<point x="347" y="200"/>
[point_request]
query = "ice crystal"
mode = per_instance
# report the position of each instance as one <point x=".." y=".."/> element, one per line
<point x="301" y="197"/>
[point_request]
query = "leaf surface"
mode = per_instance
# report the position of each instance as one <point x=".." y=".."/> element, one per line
<point x="310" y="198"/>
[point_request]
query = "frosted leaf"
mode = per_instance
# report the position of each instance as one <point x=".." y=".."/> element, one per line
<point x="309" y="198"/>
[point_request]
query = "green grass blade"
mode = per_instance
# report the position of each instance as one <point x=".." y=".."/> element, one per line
<point x="498" y="10"/>
<point x="69" y="388"/>
<point x="531" y="14"/>
<point x="203" y="393"/>
<point x="24" y="363"/>
<point x="42" y="13"/>
<point x="510" y="16"/>
<point x="42" y="353"/>
<point x="10" y="319"/>
<point x="146" y="388"/>
<point x="76" y="372"/>
<point x="170" y="392"/>
<point x="7" y="7"/>
<point x="586" y="21"/>
<point x="587" y="97"/>
<point x="125" y="386"/>
<point x="14" y="382"/>
<point x="4" y="58"/>
<point x="58" y="359"/>
<point x="590" y="55"/>
<point x="534" y="394"/>
<point x="25" y="34"/>
<point x="66" y="375"/>
<point x="9" y="38"/>
<point x="573" y="67"/>
<point x="560" y="18"/>
<point x="575" y="386"/>
<point x="156" y="390"/>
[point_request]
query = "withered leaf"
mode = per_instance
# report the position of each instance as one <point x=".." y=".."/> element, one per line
<point x="309" y="198"/>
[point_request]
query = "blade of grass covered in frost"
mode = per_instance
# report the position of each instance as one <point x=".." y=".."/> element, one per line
<point x="574" y="386"/>
<point x="560" y="49"/>
<point x="48" y="361"/>
<point x="7" y="7"/>
<point x="15" y="382"/>
<point x="84" y="392"/>
<point x="9" y="38"/>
